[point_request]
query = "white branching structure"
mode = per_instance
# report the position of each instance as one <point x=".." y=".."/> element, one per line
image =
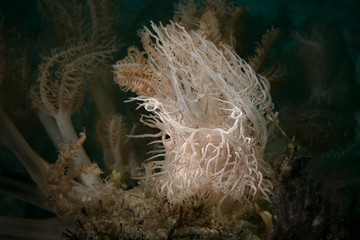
<point x="211" y="108"/>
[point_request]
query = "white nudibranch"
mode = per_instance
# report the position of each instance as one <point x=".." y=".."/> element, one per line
<point x="212" y="106"/>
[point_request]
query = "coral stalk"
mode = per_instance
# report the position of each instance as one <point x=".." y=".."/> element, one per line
<point x="36" y="166"/>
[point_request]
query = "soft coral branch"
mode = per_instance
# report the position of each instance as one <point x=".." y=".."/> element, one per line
<point x="36" y="166"/>
<point x="60" y="92"/>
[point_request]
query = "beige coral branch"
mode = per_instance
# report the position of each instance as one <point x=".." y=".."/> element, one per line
<point x="36" y="166"/>
<point x="263" y="51"/>
<point x="111" y="132"/>
<point x="133" y="73"/>
<point x="60" y="90"/>
<point x="61" y="82"/>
